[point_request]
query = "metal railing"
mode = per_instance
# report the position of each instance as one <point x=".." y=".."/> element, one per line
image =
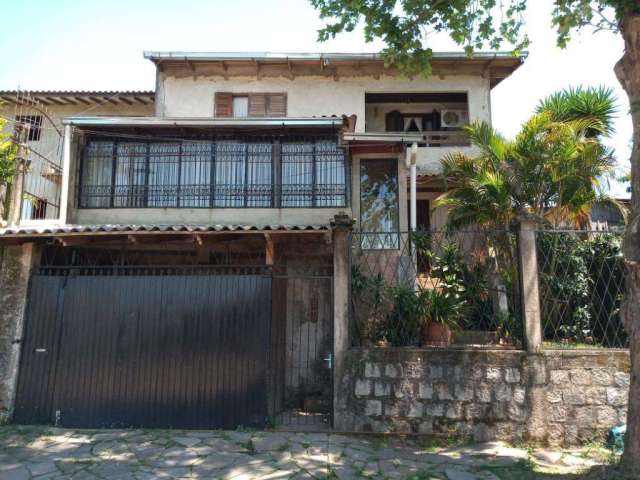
<point x="581" y="279"/>
<point x="214" y="174"/>
<point x="396" y="277"/>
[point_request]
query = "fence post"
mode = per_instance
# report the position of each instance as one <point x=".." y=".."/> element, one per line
<point x="529" y="293"/>
<point x="341" y="245"/>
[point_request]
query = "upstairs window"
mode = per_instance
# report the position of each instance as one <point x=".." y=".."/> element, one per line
<point x="35" y="126"/>
<point x="239" y="105"/>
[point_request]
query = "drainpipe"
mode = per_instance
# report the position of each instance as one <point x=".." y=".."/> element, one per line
<point x="412" y="153"/>
<point x="66" y="171"/>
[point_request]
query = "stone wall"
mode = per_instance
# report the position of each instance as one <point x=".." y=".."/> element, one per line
<point x="558" y="397"/>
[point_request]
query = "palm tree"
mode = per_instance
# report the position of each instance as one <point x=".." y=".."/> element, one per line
<point x="552" y="171"/>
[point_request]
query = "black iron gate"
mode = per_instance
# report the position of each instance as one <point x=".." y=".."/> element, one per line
<point x="301" y="358"/>
<point x="145" y="346"/>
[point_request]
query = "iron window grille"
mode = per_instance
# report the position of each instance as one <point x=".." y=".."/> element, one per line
<point x="292" y="173"/>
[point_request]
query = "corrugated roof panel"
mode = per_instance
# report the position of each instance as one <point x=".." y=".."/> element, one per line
<point x="51" y="230"/>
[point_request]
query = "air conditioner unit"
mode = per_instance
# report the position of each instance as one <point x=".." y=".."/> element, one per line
<point x="454" y="118"/>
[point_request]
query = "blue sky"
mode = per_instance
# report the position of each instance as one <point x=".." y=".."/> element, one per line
<point x="90" y="44"/>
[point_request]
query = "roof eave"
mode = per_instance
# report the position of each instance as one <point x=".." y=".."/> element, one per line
<point x="220" y="122"/>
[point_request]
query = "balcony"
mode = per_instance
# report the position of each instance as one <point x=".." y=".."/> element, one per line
<point x="435" y="119"/>
<point x="256" y="173"/>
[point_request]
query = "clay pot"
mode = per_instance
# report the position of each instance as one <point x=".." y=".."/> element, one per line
<point x="434" y="333"/>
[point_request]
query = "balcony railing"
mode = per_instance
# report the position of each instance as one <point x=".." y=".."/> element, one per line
<point x="451" y="138"/>
<point x="213" y="174"/>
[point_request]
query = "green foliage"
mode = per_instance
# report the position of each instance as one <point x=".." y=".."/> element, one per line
<point x="405" y="25"/>
<point x="455" y="292"/>
<point x="552" y="170"/>
<point x="369" y="304"/>
<point x="8" y="152"/>
<point x="403" y="322"/>
<point x="579" y="276"/>
<point x="576" y="104"/>
<point x="441" y="307"/>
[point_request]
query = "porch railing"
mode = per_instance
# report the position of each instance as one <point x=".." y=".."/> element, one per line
<point x="213" y="174"/>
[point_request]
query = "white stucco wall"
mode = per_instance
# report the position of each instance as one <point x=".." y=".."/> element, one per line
<point x="313" y="96"/>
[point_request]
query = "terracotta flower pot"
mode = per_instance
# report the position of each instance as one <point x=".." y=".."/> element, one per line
<point x="434" y="333"/>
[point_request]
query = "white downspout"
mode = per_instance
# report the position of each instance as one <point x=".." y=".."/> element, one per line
<point x="412" y="153"/>
<point x="66" y="172"/>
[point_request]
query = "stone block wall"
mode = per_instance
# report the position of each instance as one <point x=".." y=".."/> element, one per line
<point x="557" y="397"/>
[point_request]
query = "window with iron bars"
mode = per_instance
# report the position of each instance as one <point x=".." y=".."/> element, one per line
<point x="213" y="174"/>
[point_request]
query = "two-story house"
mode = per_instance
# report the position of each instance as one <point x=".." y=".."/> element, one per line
<point x="198" y="273"/>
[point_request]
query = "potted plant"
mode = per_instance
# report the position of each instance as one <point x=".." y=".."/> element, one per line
<point x="440" y="313"/>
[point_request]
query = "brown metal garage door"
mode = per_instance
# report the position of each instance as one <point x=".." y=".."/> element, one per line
<point x="145" y="348"/>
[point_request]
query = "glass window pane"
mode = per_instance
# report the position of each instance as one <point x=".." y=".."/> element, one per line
<point x="97" y="171"/>
<point x="131" y="172"/>
<point x="330" y="175"/>
<point x="195" y="174"/>
<point x="240" y="107"/>
<point x="230" y="174"/>
<point x="164" y="159"/>
<point x="379" y="203"/>
<point x="297" y="174"/>
<point x="259" y="180"/>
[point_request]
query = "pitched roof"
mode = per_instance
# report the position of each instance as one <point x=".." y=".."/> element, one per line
<point x="79" y="97"/>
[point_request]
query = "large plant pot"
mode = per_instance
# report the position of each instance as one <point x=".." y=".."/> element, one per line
<point x="434" y="333"/>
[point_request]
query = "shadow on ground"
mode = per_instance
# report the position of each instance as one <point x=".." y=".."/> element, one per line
<point x="53" y="453"/>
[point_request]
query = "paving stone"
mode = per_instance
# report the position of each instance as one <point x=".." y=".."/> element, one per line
<point x="41" y="468"/>
<point x="186" y="441"/>
<point x="20" y="473"/>
<point x="455" y="474"/>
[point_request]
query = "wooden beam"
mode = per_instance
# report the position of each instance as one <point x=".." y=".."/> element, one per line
<point x="72" y="241"/>
<point x="269" y="251"/>
<point x="82" y="100"/>
<point x="125" y="100"/>
<point x="57" y="101"/>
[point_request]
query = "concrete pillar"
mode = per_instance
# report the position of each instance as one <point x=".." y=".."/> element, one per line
<point x="530" y="297"/>
<point x="17" y="264"/>
<point x="66" y="174"/>
<point x="341" y="244"/>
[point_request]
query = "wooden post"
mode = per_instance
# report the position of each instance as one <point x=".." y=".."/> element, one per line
<point x="269" y="251"/>
<point x="529" y="293"/>
<point x="20" y="137"/>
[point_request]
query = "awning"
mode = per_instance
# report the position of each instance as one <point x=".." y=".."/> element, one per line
<point x="31" y="233"/>
<point x="204" y="122"/>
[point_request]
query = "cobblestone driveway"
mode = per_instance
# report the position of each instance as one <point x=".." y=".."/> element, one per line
<point x="51" y="453"/>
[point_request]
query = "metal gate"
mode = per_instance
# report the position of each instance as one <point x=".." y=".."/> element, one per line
<point x="145" y="346"/>
<point x="301" y="350"/>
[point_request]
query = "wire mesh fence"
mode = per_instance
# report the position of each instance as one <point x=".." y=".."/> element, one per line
<point x="581" y="278"/>
<point x="406" y="285"/>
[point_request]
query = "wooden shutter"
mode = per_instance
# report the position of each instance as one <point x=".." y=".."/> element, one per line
<point x="277" y="105"/>
<point x="223" y="104"/>
<point x="257" y="104"/>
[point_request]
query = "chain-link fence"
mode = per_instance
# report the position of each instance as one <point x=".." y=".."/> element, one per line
<point x="405" y="286"/>
<point x="581" y="287"/>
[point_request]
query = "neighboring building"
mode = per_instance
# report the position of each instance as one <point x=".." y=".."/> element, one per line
<point x="43" y="111"/>
<point x="608" y="216"/>
<point x="198" y="273"/>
